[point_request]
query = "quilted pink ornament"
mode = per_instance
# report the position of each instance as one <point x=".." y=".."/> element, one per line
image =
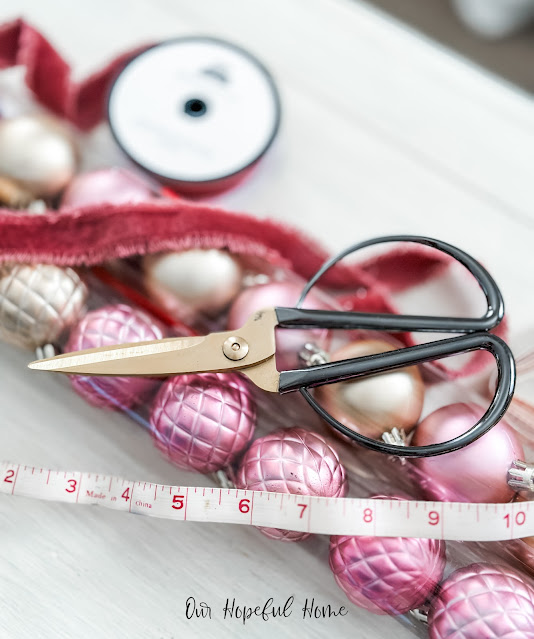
<point x="294" y="461"/>
<point x="387" y="575"/>
<point x="483" y="601"/>
<point x="203" y="421"/>
<point x="114" y="324"/>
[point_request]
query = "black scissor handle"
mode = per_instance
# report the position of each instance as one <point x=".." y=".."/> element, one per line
<point x="296" y="317"/>
<point x="373" y="364"/>
<point x="477" y="338"/>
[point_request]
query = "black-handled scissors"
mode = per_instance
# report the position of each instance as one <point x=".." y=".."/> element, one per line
<point x="251" y="350"/>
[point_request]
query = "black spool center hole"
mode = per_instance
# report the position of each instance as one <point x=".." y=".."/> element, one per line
<point x="195" y="107"/>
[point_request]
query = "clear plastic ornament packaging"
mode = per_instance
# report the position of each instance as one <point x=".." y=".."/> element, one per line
<point x="221" y="425"/>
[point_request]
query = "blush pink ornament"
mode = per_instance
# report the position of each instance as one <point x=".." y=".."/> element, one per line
<point x="114" y="324"/>
<point x="289" y="342"/>
<point x="387" y="575"/>
<point x="483" y="601"/>
<point x="476" y="473"/>
<point x="293" y="461"/>
<point x="203" y="421"/>
<point x="113" y="185"/>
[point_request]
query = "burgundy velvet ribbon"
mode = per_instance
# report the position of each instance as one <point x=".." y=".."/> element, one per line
<point x="96" y="233"/>
<point x="48" y="75"/>
<point x="93" y="234"/>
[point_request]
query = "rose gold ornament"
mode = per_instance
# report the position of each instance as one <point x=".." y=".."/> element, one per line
<point x="294" y="461"/>
<point x="199" y="280"/>
<point x="38" y="153"/>
<point x="38" y="302"/>
<point x="376" y="404"/>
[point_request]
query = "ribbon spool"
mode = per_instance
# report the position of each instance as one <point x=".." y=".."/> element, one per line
<point x="196" y="113"/>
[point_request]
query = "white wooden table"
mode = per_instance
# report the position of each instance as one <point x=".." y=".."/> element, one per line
<point x="382" y="132"/>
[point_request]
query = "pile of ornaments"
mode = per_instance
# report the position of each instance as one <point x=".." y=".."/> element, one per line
<point x="206" y="422"/>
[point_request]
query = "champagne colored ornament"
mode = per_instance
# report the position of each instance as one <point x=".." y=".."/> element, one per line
<point x="202" y="422"/>
<point x="38" y="302"/>
<point x="387" y="575"/>
<point x="198" y="280"/>
<point x="289" y="342"/>
<point x="376" y="404"/>
<point x="294" y="461"/>
<point x="105" y="326"/>
<point x="483" y="601"/>
<point x="476" y="473"/>
<point x="112" y="185"/>
<point x="38" y="153"/>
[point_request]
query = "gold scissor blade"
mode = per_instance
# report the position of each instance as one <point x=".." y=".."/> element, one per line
<point x="156" y="357"/>
<point x="173" y="355"/>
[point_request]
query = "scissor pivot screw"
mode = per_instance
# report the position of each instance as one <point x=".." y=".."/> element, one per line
<point x="235" y="348"/>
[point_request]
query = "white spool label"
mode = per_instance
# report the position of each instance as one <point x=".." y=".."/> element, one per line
<point x="194" y="110"/>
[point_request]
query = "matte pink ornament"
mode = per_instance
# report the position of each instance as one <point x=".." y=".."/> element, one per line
<point x="387" y="575"/>
<point x="114" y="324"/>
<point x="203" y="421"/>
<point x="483" y="601"/>
<point x="288" y="341"/>
<point x="112" y="185"/>
<point x="476" y="473"/>
<point x="294" y="461"/>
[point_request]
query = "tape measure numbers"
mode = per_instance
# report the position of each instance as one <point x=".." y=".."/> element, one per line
<point x="322" y="515"/>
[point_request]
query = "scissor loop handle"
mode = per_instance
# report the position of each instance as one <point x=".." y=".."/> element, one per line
<point x="382" y="362"/>
<point x="477" y="338"/>
<point x="418" y="323"/>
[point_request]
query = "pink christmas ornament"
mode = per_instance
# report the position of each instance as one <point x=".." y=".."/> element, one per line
<point x="288" y="341"/>
<point x="112" y="185"/>
<point x="203" y="421"/>
<point x="114" y="324"/>
<point x="294" y="461"/>
<point x="476" y="473"/>
<point x="483" y="601"/>
<point x="387" y="575"/>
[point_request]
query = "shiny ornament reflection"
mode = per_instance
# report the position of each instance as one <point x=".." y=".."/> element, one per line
<point x="375" y="404"/>
<point x="476" y="473"/>
<point x="38" y="153"/>
<point x="199" y="280"/>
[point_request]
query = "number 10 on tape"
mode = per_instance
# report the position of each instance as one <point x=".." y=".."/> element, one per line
<point x="339" y="516"/>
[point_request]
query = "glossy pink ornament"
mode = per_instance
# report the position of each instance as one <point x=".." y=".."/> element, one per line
<point x="483" y="601"/>
<point x="294" y="461"/>
<point x="112" y="185"/>
<point x="476" y="473"/>
<point x="387" y="575"/>
<point x="203" y="421"/>
<point x="288" y="341"/>
<point x="114" y="324"/>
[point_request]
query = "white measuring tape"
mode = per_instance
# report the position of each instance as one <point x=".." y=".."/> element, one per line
<point x="322" y="515"/>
